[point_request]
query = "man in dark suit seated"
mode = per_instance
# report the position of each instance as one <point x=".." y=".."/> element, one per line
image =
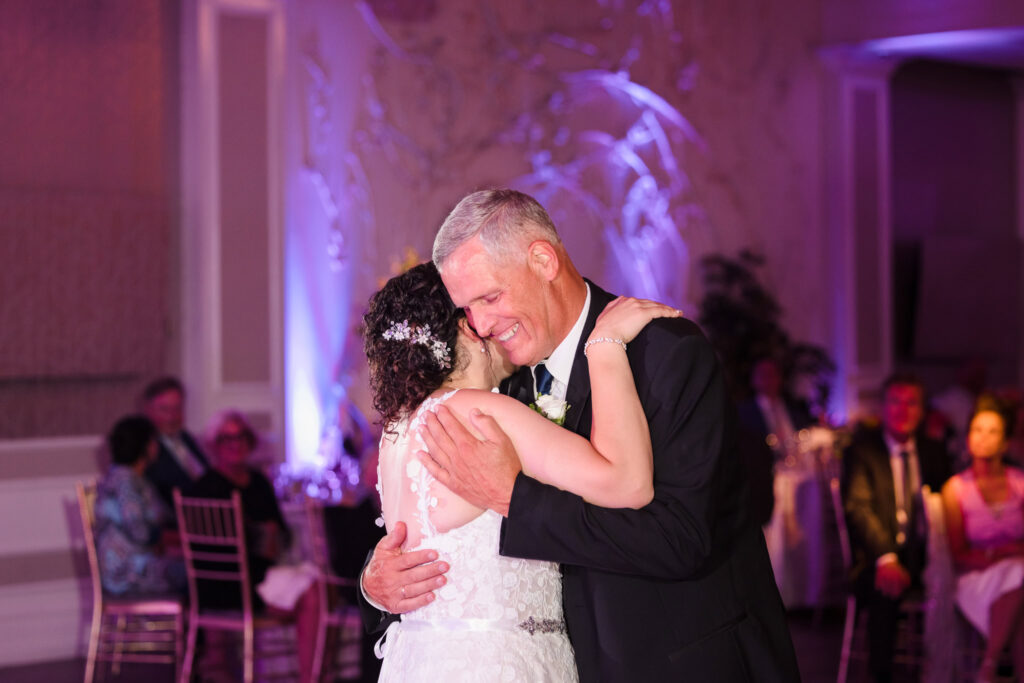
<point x="770" y="412"/>
<point x="181" y="461"/>
<point x="770" y="420"/>
<point x="884" y="470"/>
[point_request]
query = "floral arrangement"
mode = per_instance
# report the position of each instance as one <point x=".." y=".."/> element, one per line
<point x="742" y="320"/>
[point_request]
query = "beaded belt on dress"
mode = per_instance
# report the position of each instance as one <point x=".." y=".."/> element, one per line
<point x="531" y="625"/>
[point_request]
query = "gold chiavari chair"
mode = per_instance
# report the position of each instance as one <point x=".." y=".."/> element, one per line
<point x="213" y="540"/>
<point x="143" y="630"/>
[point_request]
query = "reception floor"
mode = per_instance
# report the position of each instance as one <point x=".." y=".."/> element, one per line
<point x="816" y="637"/>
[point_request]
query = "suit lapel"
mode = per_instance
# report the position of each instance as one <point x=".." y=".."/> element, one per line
<point x="519" y="385"/>
<point x="191" y="444"/>
<point x="577" y="394"/>
<point x="887" y="486"/>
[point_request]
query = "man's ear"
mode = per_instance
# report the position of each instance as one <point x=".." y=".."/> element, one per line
<point x="543" y="259"/>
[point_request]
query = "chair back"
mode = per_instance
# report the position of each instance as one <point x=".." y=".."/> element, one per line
<point x="840" y="515"/>
<point x="330" y="584"/>
<point x="319" y="553"/>
<point x="213" y="543"/>
<point x="86" y="493"/>
<point x="334" y="608"/>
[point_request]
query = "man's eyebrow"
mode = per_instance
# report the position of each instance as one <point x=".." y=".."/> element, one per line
<point x="488" y="293"/>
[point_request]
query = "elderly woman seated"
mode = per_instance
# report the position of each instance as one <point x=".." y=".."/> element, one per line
<point x="984" y="508"/>
<point x="231" y="440"/>
<point x="134" y="555"/>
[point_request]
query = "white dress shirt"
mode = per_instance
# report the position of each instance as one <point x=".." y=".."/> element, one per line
<point x="560" y="362"/>
<point x="776" y="418"/>
<point x="902" y="505"/>
<point x="188" y="461"/>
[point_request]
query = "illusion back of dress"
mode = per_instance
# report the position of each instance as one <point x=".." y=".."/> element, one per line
<point x="496" y="618"/>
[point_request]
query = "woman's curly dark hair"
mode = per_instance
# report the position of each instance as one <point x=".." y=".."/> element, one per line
<point x="129" y="439"/>
<point x="403" y="373"/>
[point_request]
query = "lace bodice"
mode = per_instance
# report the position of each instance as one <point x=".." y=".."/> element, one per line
<point x="481" y="583"/>
<point x="497" y="618"/>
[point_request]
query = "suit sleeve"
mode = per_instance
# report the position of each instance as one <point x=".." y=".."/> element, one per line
<point x="374" y="620"/>
<point x="684" y="397"/>
<point x="866" y="526"/>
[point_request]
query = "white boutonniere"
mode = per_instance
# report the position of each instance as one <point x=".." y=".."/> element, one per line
<point x="552" y="408"/>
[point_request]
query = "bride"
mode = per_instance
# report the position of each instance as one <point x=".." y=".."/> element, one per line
<point x="497" y="618"/>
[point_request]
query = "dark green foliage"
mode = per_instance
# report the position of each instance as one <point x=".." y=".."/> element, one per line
<point x="741" y="318"/>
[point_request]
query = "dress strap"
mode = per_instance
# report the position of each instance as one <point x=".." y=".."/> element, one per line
<point x="420" y="478"/>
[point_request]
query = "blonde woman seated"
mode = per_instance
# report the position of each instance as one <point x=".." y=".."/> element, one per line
<point x="984" y="507"/>
<point x="287" y="591"/>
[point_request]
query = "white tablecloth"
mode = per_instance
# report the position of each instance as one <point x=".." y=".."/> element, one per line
<point x="796" y="536"/>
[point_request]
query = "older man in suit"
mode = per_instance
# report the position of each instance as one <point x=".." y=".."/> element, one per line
<point x="885" y="468"/>
<point x="180" y="461"/>
<point x="770" y="421"/>
<point x="679" y="590"/>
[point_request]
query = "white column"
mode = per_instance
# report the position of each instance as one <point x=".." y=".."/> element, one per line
<point x="859" y="215"/>
<point x="233" y="66"/>
<point x="1018" y="90"/>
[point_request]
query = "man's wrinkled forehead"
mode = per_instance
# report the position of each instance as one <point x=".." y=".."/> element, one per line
<point x="473" y="275"/>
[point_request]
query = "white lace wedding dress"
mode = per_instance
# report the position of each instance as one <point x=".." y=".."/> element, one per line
<point x="497" y="618"/>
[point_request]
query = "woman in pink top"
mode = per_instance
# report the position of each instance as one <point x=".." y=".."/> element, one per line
<point x="984" y="507"/>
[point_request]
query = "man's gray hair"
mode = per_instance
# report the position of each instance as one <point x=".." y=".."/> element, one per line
<point x="506" y="221"/>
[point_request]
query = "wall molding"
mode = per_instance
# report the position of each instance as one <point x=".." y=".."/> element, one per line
<point x="202" y="300"/>
<point x="44" y="621"/>
<point x="50" y="457"/>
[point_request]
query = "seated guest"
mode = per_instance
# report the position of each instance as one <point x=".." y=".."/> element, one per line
<point x="956" y="404"/>
<point x="770" y="413"/>
<point x="180" y="461"/>
<point x="353" y="522"/>
<point x="130" y="516"/>
<point x="768" y="423"/>
<point x="984" y="507"/>
<point x="231" y="440"/>
<point x="884" y="470"/>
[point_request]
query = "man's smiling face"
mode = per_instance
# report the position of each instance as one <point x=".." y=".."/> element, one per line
<point x="507" y="302"/>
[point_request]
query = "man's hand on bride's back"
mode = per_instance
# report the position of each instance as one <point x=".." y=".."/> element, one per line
<point x="624" y="317"/>
<point x="482" y="471"/>
<point x="402" y="581"/>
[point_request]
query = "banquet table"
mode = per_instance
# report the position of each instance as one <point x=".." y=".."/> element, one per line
<point x="351" y="532"/>
<point x="800" y="539"/>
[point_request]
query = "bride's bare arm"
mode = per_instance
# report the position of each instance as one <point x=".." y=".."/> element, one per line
<point x="614" y="468"/>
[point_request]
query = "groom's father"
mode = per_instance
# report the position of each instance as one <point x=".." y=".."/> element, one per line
<point x="679" y="590"/>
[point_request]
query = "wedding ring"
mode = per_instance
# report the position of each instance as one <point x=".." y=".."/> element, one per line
<point x="403" y="592"/>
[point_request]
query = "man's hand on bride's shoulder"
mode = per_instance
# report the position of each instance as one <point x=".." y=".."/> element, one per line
<point x="402" y="581"/>
<point x="623" y="318"/>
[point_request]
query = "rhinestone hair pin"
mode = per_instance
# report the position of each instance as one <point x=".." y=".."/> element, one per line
<point x="420" y="335"/>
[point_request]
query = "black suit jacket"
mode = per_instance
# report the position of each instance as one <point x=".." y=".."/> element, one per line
<point x="869" y="501"/>
<point x="167" y="474"/>
<point x="682" y="589"/>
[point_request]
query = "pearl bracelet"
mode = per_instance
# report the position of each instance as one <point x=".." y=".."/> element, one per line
<point x="599" y="340"/>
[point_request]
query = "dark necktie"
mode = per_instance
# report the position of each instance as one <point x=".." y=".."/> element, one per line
<point x="544" y="378"/>
<point x="908" y="497"/>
